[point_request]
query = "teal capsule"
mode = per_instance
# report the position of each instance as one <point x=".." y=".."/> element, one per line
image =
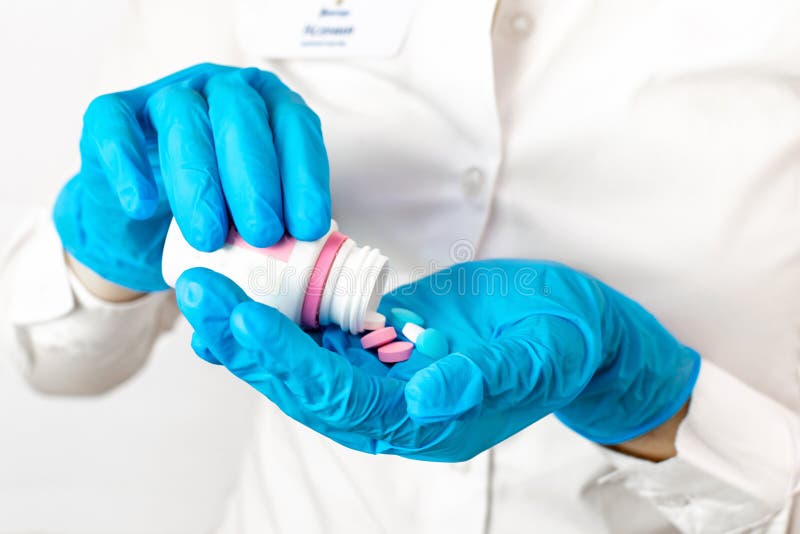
<point x="400" y="316"/>
<point x="432" y="343"/>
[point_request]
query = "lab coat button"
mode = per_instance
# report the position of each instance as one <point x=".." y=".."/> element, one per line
<point x="521" y="25"/>
<point x="472" y="181"/>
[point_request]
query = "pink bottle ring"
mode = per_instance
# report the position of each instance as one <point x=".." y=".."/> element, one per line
<point x="309" y="313"/>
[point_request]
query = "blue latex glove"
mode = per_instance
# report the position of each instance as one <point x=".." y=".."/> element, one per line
<point x="204" y="144"/>
<point x="527" y="339"/>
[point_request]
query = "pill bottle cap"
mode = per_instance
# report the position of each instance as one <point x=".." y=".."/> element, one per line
<point x="346" y="283"/>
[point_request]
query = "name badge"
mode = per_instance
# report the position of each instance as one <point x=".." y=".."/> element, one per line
<point x="320" y="28"/>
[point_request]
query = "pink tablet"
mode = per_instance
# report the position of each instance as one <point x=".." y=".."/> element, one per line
<point x="378" y="337"/>
<point x="399" y="351"/>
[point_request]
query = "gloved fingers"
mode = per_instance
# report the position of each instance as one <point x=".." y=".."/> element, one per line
<point x="207" y="299"/>
<point x="188" y="161"/>
<point x="302" y="157"/>
<point x="337" y="393"/>
<point x="113" y="139"/>
<point x="246" y="157"/>
<point x="194" y="77"/>
<point x="114" y="136"/>
<point x="200" y="347"/>
<point x="541" y="360"/>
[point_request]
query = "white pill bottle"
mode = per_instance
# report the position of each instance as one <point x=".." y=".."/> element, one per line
<point x="328" y="281"/>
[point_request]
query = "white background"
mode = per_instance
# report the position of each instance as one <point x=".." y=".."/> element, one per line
<point x="159" y="453"/>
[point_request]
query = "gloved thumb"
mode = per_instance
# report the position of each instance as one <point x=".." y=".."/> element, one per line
<point x="206" y="299"/>
<point x="540" y="359"/>
<point x="446" y="389"/>
<point x="259" y="327"/>
<point x="272" y="341"/>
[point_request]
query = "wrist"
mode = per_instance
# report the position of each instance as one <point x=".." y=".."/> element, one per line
<point x="658" y="444"/>
<point x="99" y="286"/>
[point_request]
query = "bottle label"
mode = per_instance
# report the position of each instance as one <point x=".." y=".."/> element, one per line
<point x="281" y="250"/>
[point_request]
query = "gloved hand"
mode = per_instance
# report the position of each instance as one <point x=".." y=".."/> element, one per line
<point x="527" y="339"/>
<point x="199" y="144"/>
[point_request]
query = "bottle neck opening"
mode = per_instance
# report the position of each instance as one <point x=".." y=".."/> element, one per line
<point x="354" y="285"/>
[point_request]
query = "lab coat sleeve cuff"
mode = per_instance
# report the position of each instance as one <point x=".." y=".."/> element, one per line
<point x="737" y="466"/>
<point x="63" y="339"/>
<point x="33" y="273"/>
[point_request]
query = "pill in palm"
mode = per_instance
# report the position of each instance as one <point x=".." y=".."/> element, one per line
<point x="374" y="320"/>
<point x="411" y="331"/>
<point x="431" y="342"/>
<point x="379" y="337"/>
<point x="400" y="316"/>
<point x="398" y="351"/>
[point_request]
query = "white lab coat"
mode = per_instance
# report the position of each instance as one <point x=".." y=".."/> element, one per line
<point x="652" y="144"/>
